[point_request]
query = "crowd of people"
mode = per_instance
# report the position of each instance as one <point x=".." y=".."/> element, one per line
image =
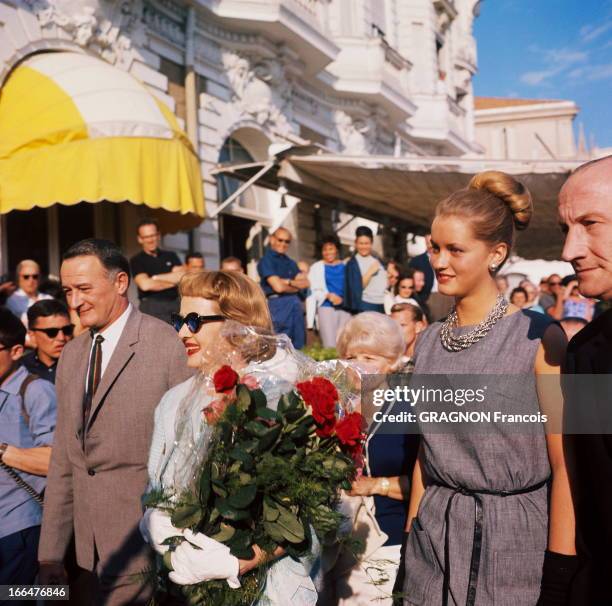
<point x="92" y="387"/>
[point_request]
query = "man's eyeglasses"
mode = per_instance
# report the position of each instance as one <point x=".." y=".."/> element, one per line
<point x="194" y="321"/>
<point x="554" y="283"/>
<point x="67" y="331"/>
<point x="30" y="276"/>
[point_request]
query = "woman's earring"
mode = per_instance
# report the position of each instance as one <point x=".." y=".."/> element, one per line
<point x="493" y="267"/>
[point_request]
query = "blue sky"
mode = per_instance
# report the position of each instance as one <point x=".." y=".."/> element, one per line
<point x="549" y="49"/>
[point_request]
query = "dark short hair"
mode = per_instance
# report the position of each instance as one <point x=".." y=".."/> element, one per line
<point x="330" y="239"/>
<point x="107" y="252"/>
<point x="12" y="330"/>
<point x="194" y="255"/>
<point x="46" y="308"/>
<point x="147" y="221"/>
<point x="417" y="312"/>
<point x="231" y="260"/>
<point x="406" y="274"/>
<point x="364" y="230"/>
<point x="517" y="291"/>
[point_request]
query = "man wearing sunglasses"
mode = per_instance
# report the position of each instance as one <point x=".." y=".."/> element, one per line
<point x="49" y="329"/>
<point x="27" y="425"/>
<point x="28" y="279"/>
<point x="283" y="283"/>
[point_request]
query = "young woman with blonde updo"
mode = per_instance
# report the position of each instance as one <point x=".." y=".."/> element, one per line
<point x="490" y="517"/>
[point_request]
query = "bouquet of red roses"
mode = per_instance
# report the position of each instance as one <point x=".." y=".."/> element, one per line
<point x="270" y="477"/>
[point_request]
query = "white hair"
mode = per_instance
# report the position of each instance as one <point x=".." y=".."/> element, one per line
<point x="373" y="332"/>
<point x="26" y="262"/>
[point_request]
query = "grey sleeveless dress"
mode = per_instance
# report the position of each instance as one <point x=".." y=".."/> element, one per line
<point x="513" y="527"/>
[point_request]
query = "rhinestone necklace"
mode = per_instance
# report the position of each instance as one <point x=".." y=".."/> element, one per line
<point x="450" y="342"/>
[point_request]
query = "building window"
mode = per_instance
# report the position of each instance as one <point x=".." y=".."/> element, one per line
<point x="233" y="152"/>
<point x="176" y="85"/>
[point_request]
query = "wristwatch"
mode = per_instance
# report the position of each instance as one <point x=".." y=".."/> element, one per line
<point x="384" y="486"/>
<point x="3" y="448"/>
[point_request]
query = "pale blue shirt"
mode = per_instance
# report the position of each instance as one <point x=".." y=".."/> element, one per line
<point x="17" y="509"/>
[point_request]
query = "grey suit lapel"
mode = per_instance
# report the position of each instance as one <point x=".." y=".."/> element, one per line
<point x="121" y="356"/>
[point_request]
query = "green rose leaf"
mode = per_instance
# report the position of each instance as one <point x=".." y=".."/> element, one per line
<point x="293" y="415"/>
<point x="274" y="531"/>
<point x="259" y="398"/>
<point x="245" y="478"/>
<point x="269" y="438"/>
<point x="225" y="533"/>
<point x="241" y="545"/>
<point x="186" y="516"/>
<point x="270" y="510"/>
<point x="239" y="454"/>
<point x="248" y="445"/>
<point x="219" y="488"/>
<point x="167" y="561"/>
<point x="289" y="401"/>
<point x="255" y="428"/>
<point x="231" y="513"/>
<point x="243" y="398"/>
<point x="291" y="528"/>
<point x="243" y="497"/>
<point x="204" y="487"/>
<point x="267" y="413"/>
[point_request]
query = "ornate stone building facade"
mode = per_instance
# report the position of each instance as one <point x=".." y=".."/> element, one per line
<point x="358" y="77"/>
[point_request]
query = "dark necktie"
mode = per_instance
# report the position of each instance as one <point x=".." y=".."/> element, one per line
<point x="93" y="379"/>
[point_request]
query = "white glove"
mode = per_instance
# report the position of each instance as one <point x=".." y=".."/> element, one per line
<point x="155" y="527"/>
<point x="212" y="561"/>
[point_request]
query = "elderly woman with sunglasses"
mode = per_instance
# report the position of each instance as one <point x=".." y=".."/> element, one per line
<point x="219" y="308"/>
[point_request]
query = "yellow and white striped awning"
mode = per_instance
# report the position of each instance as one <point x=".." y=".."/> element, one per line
<point x="74" y="128"/>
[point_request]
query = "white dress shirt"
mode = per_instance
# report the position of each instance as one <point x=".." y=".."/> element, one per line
<point x="111" y="335"/>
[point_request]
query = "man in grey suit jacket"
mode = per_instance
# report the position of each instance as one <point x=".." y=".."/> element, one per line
<point x="109" y="381"/>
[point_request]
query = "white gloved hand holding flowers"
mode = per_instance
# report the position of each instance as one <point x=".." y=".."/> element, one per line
<point x="155" y="527"/>
<point x="200" y="559"/>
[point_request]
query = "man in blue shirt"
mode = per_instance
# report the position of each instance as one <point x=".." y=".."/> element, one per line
<point x="27" y="423"/>
<point x="282" y="281"/>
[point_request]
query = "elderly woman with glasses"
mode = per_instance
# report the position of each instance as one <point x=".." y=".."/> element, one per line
<point x="223" y="317"/>
<point x="377" y="503"/>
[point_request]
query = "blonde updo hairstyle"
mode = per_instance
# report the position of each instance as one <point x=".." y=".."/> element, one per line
<point x="239" y="299"/>
<point x="496" y="205"/>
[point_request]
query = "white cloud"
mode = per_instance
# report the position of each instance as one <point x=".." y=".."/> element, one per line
<point x="588" y="33"/>
<point x="557" y="61"/>
<point x="536" y="78"/>
<point x="592" y="72"/>
<point x="562" y="57"/>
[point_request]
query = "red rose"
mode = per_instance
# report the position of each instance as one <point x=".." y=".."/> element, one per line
<point x="322" y="396"/>
<point x="225" y="379"/>
<point x="349" y="430"/>
<point x="326" y="429"/>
